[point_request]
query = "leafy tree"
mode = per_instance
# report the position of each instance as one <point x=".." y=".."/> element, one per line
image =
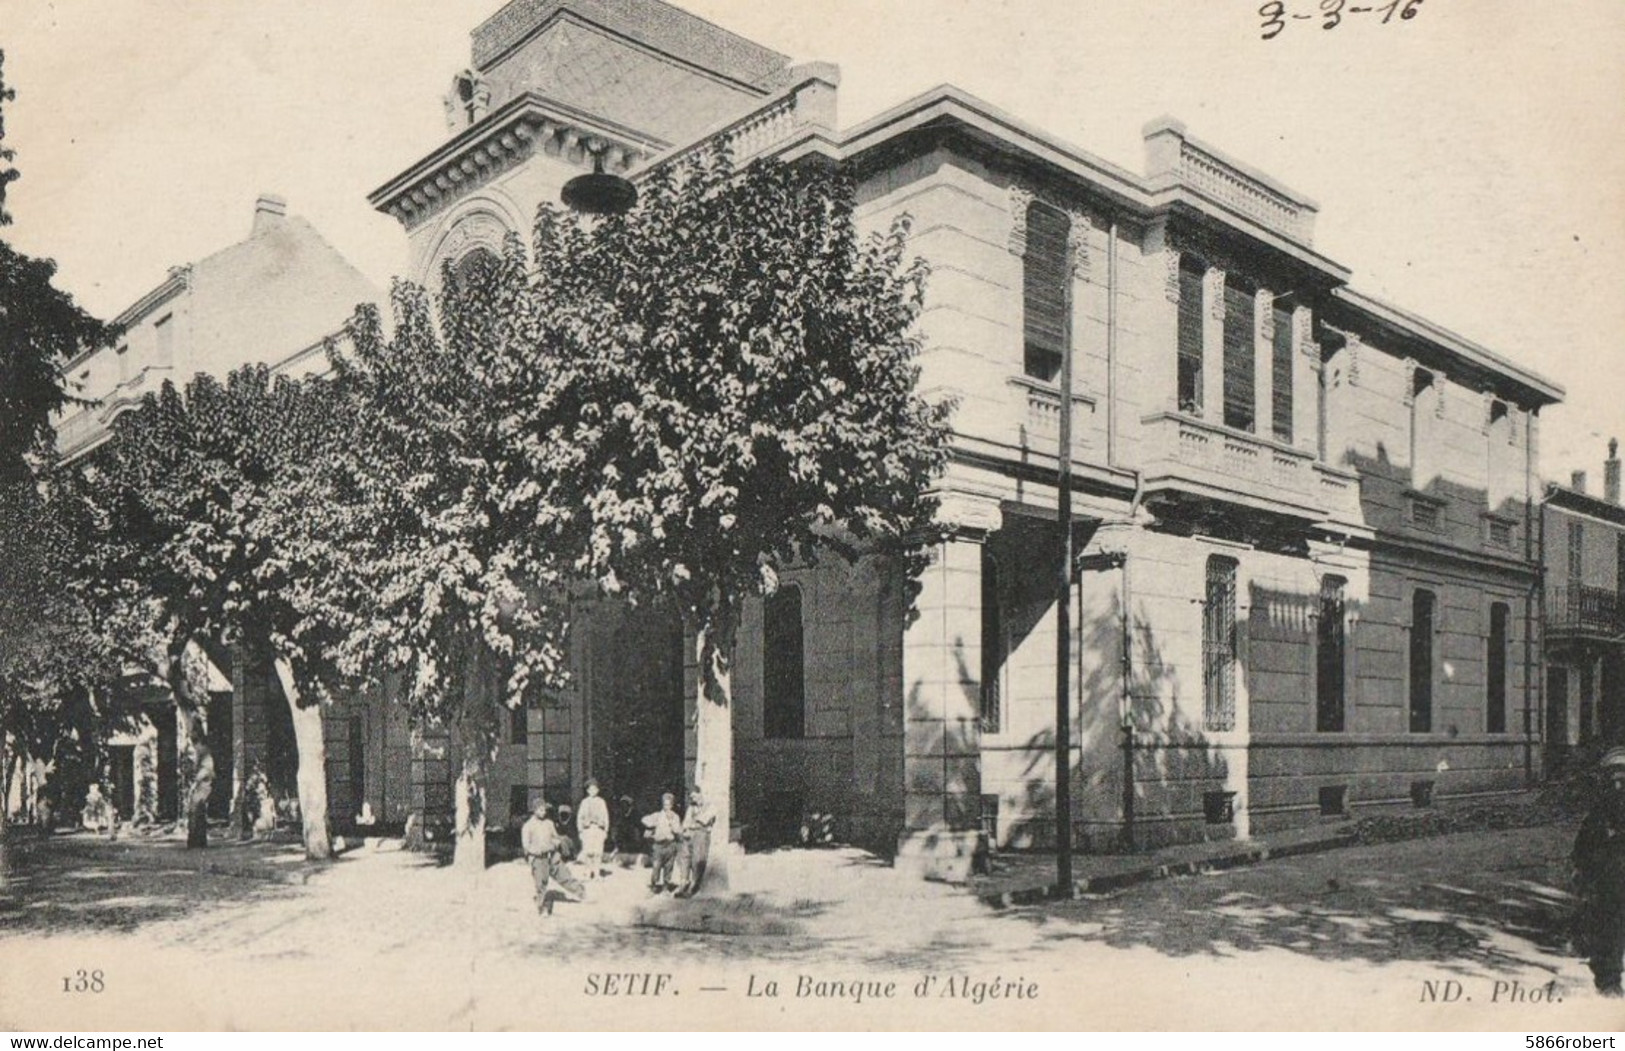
<point x="440" y="540"/>
<point x="202" y="488"/>
<point x="41" y="329"/>
<point x="743" y="375"/>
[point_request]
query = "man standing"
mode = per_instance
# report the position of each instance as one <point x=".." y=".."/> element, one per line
<point x="593" y="821"/>
<point x="697" y="824"/>
<point x="667" y="830"/>
<point x="541" y="844"/>
<point x="1599" y="863"/>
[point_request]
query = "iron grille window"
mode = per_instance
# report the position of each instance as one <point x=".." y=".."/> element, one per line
<point x="992" y="643"/>
<point x="1577" y="537"/>
<point x="1281" y="375"/>
<point x="1495" y="715"/>
<point x="1190" y="336"/>
<point x="1330" y="687"/>
<point x="1044" y="278"/>
<point x="1422" y="662"/>
<point x="1240" y="378"/>
<point x="1219" y="649"/>
<point x="1501" y="533"/>
<point x="1425" y="513"/>
<point x="784" y="700"/>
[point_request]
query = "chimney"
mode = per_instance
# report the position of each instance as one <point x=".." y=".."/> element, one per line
<point x="1577" y="482"/>
<point x="269" y="212"/>
<point x="1610" y="472"/>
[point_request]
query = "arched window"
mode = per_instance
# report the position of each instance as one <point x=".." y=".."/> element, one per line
<point x="474" y="263"/>
<point x="1044" y="279"/>
<point x="784" y="683"/>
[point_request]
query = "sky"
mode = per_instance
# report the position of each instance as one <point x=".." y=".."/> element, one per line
<point x="1469" y="162"/>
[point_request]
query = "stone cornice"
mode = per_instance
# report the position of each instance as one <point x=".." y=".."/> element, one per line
<point x="515" y="131"/>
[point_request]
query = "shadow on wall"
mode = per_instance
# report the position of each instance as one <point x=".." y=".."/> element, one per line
<point x="1174" y="763"/>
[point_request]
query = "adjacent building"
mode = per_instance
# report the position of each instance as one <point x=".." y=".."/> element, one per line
<point x="1309" y="578"/>
<point x="1584" y="606"/>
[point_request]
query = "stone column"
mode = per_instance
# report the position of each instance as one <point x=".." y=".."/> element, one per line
<point x="1264" y="364"/>
<point x="942" y="659"/>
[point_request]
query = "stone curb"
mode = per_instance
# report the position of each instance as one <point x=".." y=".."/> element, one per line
<point x="1150" y="872"/>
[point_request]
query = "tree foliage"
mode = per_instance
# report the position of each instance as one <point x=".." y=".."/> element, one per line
<point x="449" y="551"/>
<point x="198" y="496"/>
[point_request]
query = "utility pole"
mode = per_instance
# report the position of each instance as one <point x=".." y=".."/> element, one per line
<point x="1063" y="610"/>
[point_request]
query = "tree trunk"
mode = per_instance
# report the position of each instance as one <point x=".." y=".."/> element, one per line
<point x="184" y="675"/>
<point x="469" y="852"/>
<point x="312" y="773"/>
<point x="5" y="811"/>
<point x="713" y="740"/>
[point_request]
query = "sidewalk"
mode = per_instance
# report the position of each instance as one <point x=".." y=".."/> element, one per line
<point x="1027" y="879"/>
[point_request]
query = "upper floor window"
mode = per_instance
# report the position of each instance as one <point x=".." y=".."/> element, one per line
<point x="1281" y="374"/>
<point x="123" y="354"/>
<point x="163" y="331"/>
<point x="1191" y="273"/>
<point x="1619" y="563"/>
<point x="1219" y="649"/>
<point x="1240" y="365"/>
<point x="1576" y="561"/>
<point x="1421" y="383"/>
<point x="519" y="725"/>
<point x="784" y="683"/>
<point x="1044" y="289"/>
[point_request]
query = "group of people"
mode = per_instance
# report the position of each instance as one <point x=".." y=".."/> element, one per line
<point x="679" y="844"/>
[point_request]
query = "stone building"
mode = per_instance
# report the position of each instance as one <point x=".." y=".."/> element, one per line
<point x="1584" y="616"/>
<point x="272" y="298"/>
<point x="1308" y="577"/>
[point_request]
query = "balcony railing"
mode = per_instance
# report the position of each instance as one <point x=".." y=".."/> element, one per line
<point x="1206" y="459"/>
<point x="1580" y="610"/>
<point x="1041" y="419"/>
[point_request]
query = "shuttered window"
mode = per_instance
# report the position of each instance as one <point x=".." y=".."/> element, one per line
<point x="1044" y="291"/>
<point x="1281" y="375"/>
<point x="1422" y="662"/>
<point x="1495" y="715"/>
<point x="1330" y="688"/>
<point x="1190" y="336"/>
<point x="1240" y="381"/>
<point x="1219" y="650"/>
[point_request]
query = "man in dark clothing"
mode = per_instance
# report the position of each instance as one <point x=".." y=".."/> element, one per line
<point x="1599" y="864"/>
<point x="540" y="840"/>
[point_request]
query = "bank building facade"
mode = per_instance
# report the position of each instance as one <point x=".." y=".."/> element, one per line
<point x="1306" y="567"/>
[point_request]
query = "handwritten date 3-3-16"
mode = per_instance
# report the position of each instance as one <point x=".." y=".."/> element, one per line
<point x="1330" y="14"/>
